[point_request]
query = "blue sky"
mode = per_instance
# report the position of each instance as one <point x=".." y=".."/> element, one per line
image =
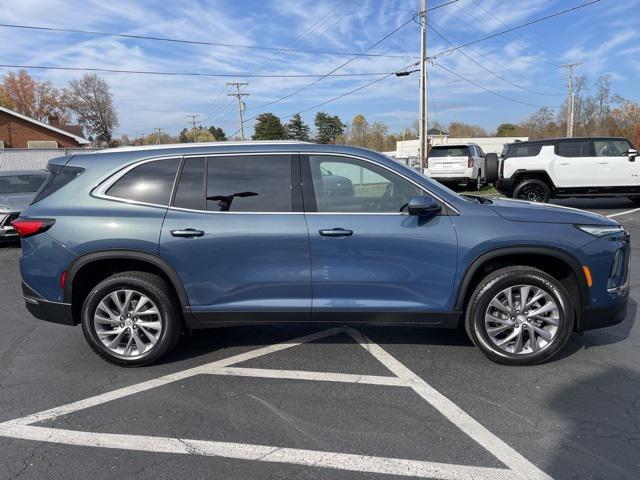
<point x="601" y="36"/>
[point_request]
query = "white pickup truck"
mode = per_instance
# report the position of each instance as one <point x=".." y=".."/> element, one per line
<point x="570" y="167"/>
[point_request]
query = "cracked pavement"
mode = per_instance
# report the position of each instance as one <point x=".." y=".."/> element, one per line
<point x="577" y="417"/>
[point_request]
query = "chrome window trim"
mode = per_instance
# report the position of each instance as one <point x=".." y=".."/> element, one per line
<point x="100" y="189"/>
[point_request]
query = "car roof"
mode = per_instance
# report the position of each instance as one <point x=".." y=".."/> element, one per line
<point x="548" y="141"/>
<point x="13" y="173"/>
<point x="175" y="146"/>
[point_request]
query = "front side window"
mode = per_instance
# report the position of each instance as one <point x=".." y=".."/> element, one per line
<point x="574" y="149"/>
<point x="611" y="148"/>
<point x="249" y="183"/>
<point x="349" y="185"/>
<point x="150" y="182"/>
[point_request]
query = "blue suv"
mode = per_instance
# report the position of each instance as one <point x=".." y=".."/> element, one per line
<point x="140" y="244"/>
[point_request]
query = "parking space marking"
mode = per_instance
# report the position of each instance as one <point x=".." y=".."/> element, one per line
<point x="613" y="215"/>
<point x="518" y="466"/>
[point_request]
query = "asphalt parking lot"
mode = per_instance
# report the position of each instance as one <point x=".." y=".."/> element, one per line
<point x="311" y="402"/>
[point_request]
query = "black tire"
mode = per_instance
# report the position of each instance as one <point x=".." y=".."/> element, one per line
<point x="500" y="280"/>
<point x="479" y="181"/>
<point x="159" y="292"/>
<point x="532" y="190"/>
<point x="491" y="167"/>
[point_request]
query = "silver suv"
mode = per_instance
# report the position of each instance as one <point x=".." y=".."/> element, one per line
<point x="462" y="164"/>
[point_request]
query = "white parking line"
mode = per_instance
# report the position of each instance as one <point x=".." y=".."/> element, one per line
<point x="518" y="466"/>
<point x="613" y="215"/>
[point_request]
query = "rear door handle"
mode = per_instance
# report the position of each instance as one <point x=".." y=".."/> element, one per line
<point x="336" y="232"/>
<point x="187" y="233"/>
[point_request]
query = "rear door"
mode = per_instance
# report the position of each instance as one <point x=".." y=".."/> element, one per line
<point x="237" y="237"/>
<point x="369" y="258"/>
<point x="613" y="167"/>
<point x="574" y="164"/>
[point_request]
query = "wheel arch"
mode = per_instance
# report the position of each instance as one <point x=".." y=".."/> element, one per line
<point x="527" y="255"/>
<point x="521" y="175"/>
<point x="96" y="265"/>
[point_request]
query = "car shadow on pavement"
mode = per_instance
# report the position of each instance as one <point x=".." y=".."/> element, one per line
<point x="204" y="342"/>
<point x="596" y="426"/>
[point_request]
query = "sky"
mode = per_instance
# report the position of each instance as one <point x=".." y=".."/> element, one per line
<point x="524" y="65"/>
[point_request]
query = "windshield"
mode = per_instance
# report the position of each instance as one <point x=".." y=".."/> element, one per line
<point x="21" y="184"/>
<point x="460" y="151"/>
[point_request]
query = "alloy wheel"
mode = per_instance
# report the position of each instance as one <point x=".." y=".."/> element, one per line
<point x="522" y="319"/>
<point x="128" y="323"/>
<point x="532" y="193"/>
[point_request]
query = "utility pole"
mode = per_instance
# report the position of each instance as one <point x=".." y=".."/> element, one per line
<point x="159" y="132"/>
<point x="571" y="99"/>
<point x="195" y="119"/>
<point x="239" y="96"/>
<point x="423" y="121"/>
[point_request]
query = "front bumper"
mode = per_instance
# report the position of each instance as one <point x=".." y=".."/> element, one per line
<point x="505" y="186"/>
<point x="614" y="314"/>
<point x="56" y="312"/>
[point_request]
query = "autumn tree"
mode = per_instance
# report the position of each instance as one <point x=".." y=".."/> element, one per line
<point x="90" y="99"/>
<point x="24" y="94"/>
<point x="297" y="129"/>
<point x="269" y="127"/>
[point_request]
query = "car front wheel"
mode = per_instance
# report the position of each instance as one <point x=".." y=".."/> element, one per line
<point x="131" y="319"/>
<point x="519" y="316"/>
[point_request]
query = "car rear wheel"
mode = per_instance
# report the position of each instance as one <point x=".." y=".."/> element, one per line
<point x="519" y="316"/>
<point x="532" y="190"/>
<point x="131" y="319"/>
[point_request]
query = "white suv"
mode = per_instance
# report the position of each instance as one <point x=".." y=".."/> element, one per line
<point x="457" y="164"/>
<point x="570" y="167"/>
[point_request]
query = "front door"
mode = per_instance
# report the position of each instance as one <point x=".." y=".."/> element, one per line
<point x="237" y="238"/>
<point x="370" y="259"/>
<point x="613" y="166"/>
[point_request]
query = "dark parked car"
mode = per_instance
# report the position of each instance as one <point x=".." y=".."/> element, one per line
<point x="17" y="189"/>
<point x="139" y="244"/>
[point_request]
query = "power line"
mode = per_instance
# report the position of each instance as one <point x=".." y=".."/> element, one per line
<point x="194" y="42"/>
<point x="486" y="89"/>
<point x="194" y="74"/>
<point x="332" y="72"/>
<point x="517" y="27"/>
<point x="491" y="72"/>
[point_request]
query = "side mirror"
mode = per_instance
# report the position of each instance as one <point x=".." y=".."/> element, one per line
<point x="423" y="206"/>
<point x="632" y="154"/>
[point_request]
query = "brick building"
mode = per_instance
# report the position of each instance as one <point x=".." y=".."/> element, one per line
<point x="21" y="131"/>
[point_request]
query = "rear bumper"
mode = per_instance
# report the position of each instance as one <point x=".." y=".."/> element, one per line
<point x="56" y="312"/>
<point x="505" y="186"/>
<point x="8" y="233"/>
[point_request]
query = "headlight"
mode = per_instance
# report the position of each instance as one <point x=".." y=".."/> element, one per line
<point x="600" y="231"/>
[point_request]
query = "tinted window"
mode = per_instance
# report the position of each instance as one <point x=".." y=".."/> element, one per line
<point x="249" y="183"/>
<point x="351" y="185"/>
<point x="190" y="192"/>
<point x="611" y="148"/>
<point x="151" y="182"/>
<point x="523" y="151"/>
<point x="21" y="184"/>
<point x="574" y="149"/>
<point x="59" y="176"/>
<point x="449" y="152"/>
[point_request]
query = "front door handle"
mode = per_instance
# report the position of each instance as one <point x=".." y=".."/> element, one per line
<point x="336" y="232"/>
<point x="187" y="233"/>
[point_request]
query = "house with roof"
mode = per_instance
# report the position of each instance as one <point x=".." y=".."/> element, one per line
<point x="20" y="131"/>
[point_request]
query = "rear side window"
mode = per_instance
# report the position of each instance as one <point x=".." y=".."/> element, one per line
<point x="150" y="182"/>
<point x="59" y="176"/>
<point x="574" y="149"/>
<point x="190" y="191"/>
<point x="449" y="152"/>
<point x="523" y="151"/>
<point x="249" y="183"/>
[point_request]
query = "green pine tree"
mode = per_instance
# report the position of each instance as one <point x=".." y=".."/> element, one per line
<point x="269" y="127"/>
<point x="297" y="129"/>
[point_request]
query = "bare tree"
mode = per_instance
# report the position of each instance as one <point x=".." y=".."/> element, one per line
<point x="92" y="102"/>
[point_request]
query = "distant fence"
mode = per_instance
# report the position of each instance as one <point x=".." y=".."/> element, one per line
<point x="34" y="158"/>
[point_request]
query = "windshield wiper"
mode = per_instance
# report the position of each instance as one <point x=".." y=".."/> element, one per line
<point x="225" y="201"/>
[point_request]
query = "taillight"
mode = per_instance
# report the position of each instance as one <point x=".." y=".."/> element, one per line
<point x="27" y="227"/>
<point x="470" y="162"/>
